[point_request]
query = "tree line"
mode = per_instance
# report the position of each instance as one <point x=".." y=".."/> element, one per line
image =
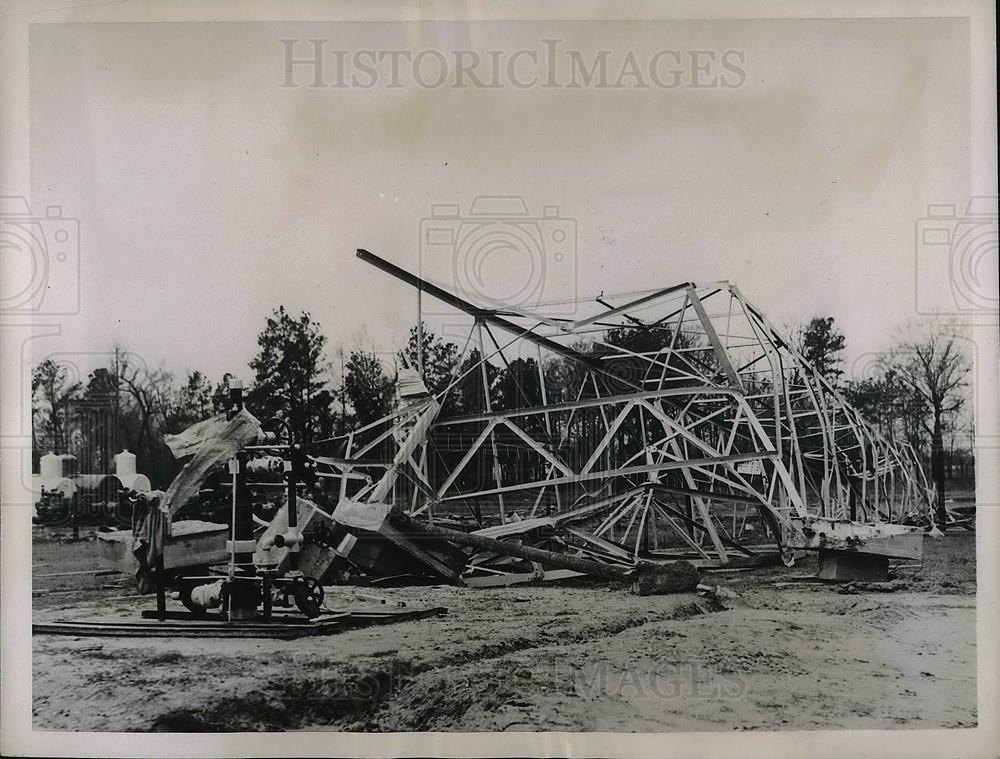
<point x="917" y="391"/>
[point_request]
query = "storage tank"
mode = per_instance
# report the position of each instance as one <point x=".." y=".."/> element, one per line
<point x="124" y="463"/>
<point x="53" y="484"/>
<point x="125" y="469"/>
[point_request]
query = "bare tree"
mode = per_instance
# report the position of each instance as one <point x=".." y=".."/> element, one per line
<point x="146" y="396"/>
<point x="930" y="357"/>
<point x="52" y="394"/>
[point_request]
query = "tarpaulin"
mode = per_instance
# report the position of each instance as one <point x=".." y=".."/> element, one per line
<point x="150" y="530"/>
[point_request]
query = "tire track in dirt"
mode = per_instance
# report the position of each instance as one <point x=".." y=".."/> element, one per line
<point x="427" y="689"/>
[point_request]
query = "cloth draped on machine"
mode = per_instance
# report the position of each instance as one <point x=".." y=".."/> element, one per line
<point x="150" y="530"/>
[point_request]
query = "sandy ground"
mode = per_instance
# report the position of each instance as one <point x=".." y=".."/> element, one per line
<point x="583" y="657"/>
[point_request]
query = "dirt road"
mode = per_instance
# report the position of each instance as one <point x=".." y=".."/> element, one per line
<point x="781" y="656"/>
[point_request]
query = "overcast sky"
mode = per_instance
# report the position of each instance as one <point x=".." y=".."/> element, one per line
<point x="208" y="194"/>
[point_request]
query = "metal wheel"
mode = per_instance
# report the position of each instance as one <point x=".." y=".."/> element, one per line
<point x="308" y="594"/>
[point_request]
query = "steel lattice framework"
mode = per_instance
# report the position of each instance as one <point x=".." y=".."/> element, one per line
<point x="692" y="426"/>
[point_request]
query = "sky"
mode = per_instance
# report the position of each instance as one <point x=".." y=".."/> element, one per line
<point x="207" y="193"/>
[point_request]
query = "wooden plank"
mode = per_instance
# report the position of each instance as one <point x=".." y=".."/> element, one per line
<point x="189" y="549"/>
<point x="403" y="540"/>
<point x="184" y="625"/>
<point x="94" y="572"/>
<point x="896" y="541"/>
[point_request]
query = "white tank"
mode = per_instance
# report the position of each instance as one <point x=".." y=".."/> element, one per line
<point x="50" y="466"/>
<point x="124" y="464"/>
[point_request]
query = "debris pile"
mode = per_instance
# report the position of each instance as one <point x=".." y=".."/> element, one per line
<point x="697" y="438"/>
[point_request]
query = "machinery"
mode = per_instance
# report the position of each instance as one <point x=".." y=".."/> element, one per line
<point x="250" y="583"/>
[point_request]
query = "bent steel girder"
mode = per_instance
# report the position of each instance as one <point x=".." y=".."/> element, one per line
<point x="684" y="422"/>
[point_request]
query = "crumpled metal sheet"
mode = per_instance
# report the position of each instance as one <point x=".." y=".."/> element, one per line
<point x="211" y="442"/>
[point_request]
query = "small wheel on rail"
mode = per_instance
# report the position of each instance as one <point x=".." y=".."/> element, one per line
<point x="308" y="594"/>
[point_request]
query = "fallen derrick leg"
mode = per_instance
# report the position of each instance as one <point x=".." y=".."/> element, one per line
<point x="508" y="548"/>
<point x="648" y="577"/>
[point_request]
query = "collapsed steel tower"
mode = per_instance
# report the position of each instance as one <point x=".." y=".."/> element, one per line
<point x="694" y="428"/>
